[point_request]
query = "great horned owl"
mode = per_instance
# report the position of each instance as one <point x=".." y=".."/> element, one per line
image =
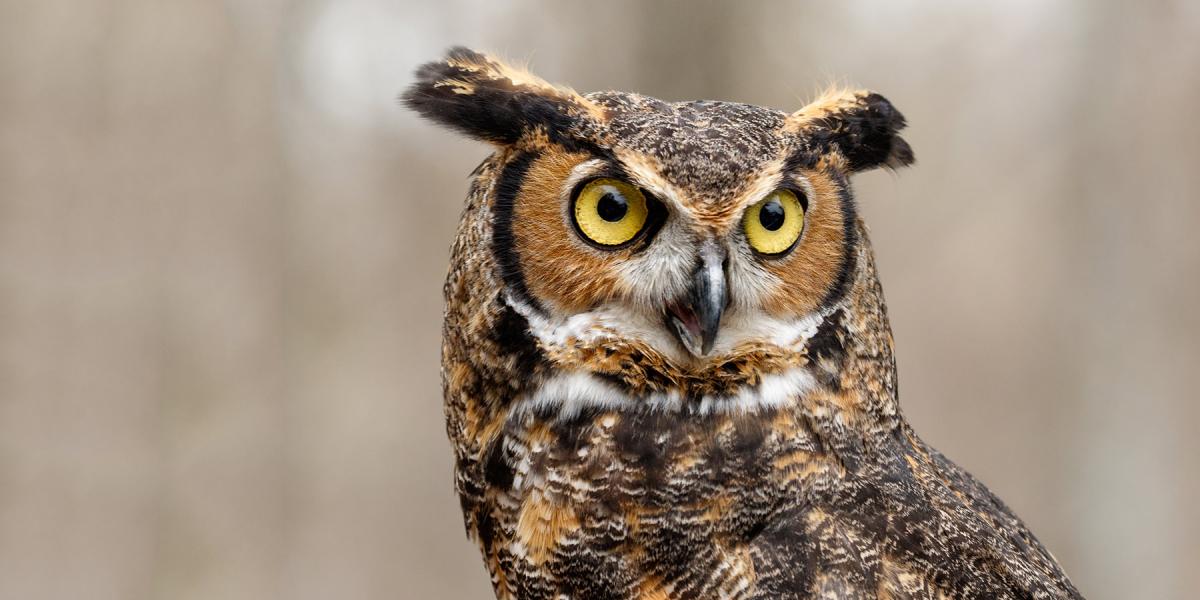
<point x="667" y="364"/>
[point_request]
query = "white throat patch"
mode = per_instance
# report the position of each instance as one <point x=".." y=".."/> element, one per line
<point x="567" y="393"/>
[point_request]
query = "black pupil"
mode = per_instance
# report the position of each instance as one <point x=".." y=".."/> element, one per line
<point x="612" y="207"/>
<point x="771" y="216"/>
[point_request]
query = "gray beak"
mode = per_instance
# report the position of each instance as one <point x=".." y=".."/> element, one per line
<point x="696" y="318"/>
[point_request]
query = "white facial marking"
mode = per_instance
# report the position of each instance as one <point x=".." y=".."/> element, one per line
<point x="619" y="322"/>
<point x="775" y="390"/>
<point x="611" y="321"/>
<point x="566" y="395"/>
<point x="570" y="393"/>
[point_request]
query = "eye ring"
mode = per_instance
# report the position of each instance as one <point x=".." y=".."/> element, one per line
<point x="611" y="214"/>
<point x="774" y="224"/>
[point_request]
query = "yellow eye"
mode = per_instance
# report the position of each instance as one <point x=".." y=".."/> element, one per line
<point x="774" y="224"/>
<point x="610" y="212"/>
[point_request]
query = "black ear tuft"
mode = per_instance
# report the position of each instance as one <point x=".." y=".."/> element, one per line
<point x="490" y="100"/>
<point x="861" y="126"/>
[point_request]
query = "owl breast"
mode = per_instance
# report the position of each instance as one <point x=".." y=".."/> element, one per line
<point x="631" y="500"/>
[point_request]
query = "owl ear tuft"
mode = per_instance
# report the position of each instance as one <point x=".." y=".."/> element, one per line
<point x="860" y="125"/>
<point x="487" y="99"/>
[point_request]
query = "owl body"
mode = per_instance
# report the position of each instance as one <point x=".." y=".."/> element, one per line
<point x="667" y="364"/>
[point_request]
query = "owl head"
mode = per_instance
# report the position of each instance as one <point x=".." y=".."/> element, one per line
<point x="683" y="240"/>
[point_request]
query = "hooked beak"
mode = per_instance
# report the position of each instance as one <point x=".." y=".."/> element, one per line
<point x="696" y="317"/>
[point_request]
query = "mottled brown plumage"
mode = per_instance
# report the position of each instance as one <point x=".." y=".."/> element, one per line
<point x="601" y="453"/>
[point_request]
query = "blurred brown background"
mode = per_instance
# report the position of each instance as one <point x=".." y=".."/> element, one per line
<point x="222" y="246"/>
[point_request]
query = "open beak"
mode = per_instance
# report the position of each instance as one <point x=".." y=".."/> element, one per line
<point x="696" y="317"/>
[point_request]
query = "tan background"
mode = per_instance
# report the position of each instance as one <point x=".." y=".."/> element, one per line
<point x="222" y="245"/>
